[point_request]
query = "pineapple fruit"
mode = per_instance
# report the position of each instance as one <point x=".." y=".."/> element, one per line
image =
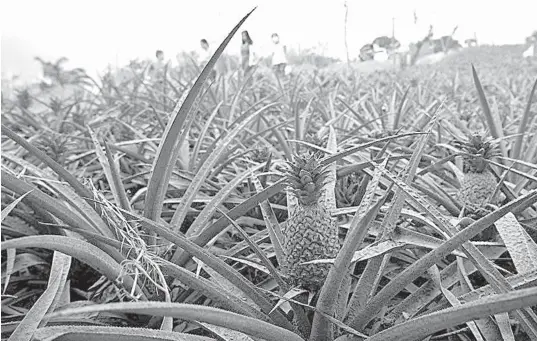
<point x="479" y="183"/>
<point x="311" y="232"/>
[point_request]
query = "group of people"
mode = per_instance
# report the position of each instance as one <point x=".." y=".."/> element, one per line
<point x="249" y="58"/>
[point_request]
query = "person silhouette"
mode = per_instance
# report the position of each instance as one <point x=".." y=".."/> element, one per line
<point x="205" y="55"/>
<point x="248" y="55"/>
<point x="279" y="58"/>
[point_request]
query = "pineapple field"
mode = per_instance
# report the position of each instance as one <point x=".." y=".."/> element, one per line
<point x="326" y="204"/>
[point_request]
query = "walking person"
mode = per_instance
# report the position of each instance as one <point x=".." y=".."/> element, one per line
<point x="205" y="55"/>
<point x="279" y="58"/>
<point x="156" y="70"/>
<point x="248" y="56"/>
<point x="156" y="73"/>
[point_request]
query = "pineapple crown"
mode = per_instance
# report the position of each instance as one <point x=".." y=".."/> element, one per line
<point x="476" y="151"/>
<point x="306" y="176"/>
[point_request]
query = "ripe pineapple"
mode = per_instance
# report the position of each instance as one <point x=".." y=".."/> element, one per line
<point x="311" y="232"/>
<point x="479" y="184"/>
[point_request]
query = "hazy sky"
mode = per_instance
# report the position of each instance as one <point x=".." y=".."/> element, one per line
<point x="94" y="33"/>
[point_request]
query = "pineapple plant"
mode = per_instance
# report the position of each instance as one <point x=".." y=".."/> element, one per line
<point x="479" y="183"/>
<point x="311" y="232"/>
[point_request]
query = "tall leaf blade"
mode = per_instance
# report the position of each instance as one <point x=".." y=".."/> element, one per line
<point x="492" y="118"/>
<point x="98" y="333"/>
<point x="191" y="312"/>
<point x="76" y="248"/>
<point x="110" y="171"/>
<point x="273" y="227"/>
<point x="409" y="274"/>
<point x="420" y="327"/>
<point x="10" y="207"/>
<point x="181" y="211"/>
<point x="217" y="200"/>
<point x="521" y="247"/>
<point x="327" y="303"/>
<point x="167" y="152"/>
<point x="211" y="231"/>
<point x="216" y="263"/>
<point x="517" y="149"/>
<point x="44" y="304"/>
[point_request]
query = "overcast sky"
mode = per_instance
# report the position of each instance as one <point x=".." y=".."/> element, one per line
<point x="94" y="33"/>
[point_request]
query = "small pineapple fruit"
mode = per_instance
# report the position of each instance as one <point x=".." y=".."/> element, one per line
<point x="479" y="184"/>
<point x="311" y="232"/>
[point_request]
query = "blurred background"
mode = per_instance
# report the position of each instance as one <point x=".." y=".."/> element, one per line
<point x="96" y="34"/>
